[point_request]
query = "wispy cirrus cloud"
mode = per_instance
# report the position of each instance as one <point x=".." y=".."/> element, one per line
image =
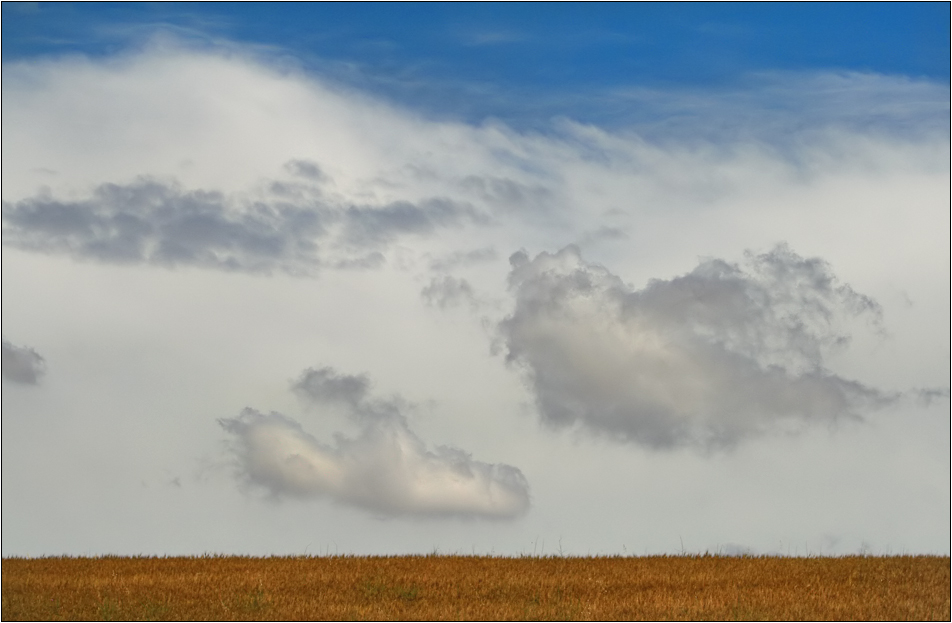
<point x="775" y="106"/>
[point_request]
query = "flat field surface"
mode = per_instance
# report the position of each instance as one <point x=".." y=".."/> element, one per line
<point x="477" y="588"/>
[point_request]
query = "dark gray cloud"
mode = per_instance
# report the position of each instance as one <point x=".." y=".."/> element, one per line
<point x="925" y="397"/>
<point x="386" y="469"/>
<point x="720" y="354"/>
<point x="325" y="385"/>
<point x="149" y="221"/>
<point x="447" y="291"/>
<point x="22" y="364"/>
<point x="293" y="229"/>
<point x="369" y="225"/>
<point x="306" y="169"/>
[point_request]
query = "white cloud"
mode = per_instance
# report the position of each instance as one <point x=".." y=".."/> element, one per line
<point x="708" y="358"/>
<point x="387" y="469"/>
<point x="228" y="123"/>
<point x="860" y="178"/>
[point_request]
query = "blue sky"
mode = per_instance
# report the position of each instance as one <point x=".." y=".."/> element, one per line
<point x="514" y="61"/>
<point x="386" y="278"/>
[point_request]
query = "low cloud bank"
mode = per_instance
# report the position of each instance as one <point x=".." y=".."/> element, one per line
<point x="723" y="353"/>
<point x="22" y="364"/>
<point x="386" y="469"/>
<point x="292" y="228"/>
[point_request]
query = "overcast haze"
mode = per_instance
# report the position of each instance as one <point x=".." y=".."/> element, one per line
<point x="629" y="279"/>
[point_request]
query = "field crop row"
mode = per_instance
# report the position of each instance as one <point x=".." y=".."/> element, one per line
<point x="477" y="588"/>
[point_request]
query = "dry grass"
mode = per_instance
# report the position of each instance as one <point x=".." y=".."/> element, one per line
<point x="477" y="588"/>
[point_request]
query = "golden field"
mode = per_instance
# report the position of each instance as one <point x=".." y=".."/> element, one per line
<point x="477" y="588"/>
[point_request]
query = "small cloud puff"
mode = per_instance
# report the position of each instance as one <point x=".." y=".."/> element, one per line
<point x="448" y="291"/>
<point x="22" y="364"/>
<point x="386" y="469"/>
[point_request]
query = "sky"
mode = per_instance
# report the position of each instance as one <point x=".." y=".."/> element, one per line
<point x="578" y="279"/>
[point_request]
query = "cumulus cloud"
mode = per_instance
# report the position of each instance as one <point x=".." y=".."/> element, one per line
<point x="22" y="364"/>
<point x="708" y="359"/>
<point x="293" y="228"/>
<point x="386" y="469"/>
